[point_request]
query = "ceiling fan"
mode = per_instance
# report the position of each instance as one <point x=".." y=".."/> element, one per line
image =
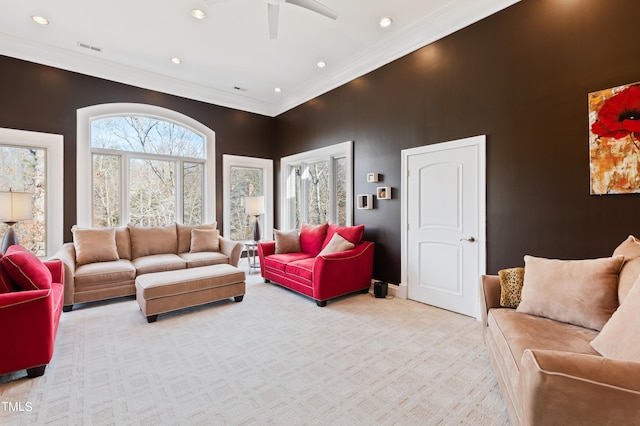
<point x="273" y="10"/>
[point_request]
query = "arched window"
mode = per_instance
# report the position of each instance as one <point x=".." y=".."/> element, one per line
<point x="144" y="165"/>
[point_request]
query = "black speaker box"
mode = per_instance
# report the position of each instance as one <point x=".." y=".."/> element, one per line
<point x="380" y="289"/>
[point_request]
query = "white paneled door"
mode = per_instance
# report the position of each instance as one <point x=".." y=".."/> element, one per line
<point x="444" y="222"/>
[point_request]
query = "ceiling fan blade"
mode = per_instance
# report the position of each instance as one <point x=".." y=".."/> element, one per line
<point x="315" y="6"/>
<point x="274" y="13"/>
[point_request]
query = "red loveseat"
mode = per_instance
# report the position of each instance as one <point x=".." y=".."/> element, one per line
<point x="316" y="270"/>
<point x="31" y="301"/>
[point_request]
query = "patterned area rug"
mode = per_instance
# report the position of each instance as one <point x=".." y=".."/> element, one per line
<point x="273" y="359"/>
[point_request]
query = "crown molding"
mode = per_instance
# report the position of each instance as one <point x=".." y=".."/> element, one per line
<point x="443" y="22"/>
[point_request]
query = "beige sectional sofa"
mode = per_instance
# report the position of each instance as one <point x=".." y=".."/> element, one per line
<point x="104" y="263"/>
<point x="569" y="353"/>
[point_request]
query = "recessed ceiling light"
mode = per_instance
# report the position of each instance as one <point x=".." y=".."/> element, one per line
<point x="176" y="61"/>
<point x="40" y="20"/>
<point x="277" y="90"/>
<point x="385" y="22"/>
<point x="198" y="13"/>
<point x="321" y="64"/>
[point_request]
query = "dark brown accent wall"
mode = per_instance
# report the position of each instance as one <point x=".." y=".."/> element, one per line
<point x="45" y="99"/>
<point x="521" y="77"/>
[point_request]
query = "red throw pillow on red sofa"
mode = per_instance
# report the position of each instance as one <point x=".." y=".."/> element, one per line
<point x="6" y="286"/>
<point x="312" y="238"/>
<point x="25" y="269"/>
<point x="353" y="234"/>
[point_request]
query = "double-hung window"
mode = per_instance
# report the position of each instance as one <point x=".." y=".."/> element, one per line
<point x="146" y="166"/>
<point x="317" y="187"/>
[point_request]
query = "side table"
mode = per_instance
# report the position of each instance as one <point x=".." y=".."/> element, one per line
<point x="252" y="253"/>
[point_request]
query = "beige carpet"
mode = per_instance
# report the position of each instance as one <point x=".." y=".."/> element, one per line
<point x="273" y="359"/>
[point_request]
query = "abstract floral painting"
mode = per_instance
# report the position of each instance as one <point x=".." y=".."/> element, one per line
<point x="614" y="140"/>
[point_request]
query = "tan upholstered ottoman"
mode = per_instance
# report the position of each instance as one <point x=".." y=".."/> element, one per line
<point x="168" y="291"/>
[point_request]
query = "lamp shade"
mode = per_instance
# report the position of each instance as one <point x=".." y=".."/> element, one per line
<point x="254" y="206"/>
<point x="15" y="206"/>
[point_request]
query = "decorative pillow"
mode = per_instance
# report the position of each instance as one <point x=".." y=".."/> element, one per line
<point x="94" y="245"/>
<point x="511" y="281"/>
<point x="619" y="336"/>
<point x="146" y="241"/>
<point x="6" y="286"/>
<point x="579" y="292"/>
<point x="25" y="269"/>
<point x="630" y="249"/>
<point x="184" y="235"/>
<point x="350" y="233"/>
<point x="336" y="245"/>
<point x="204" y="240"/>
<point x="312" y="238"/>
<point x="287" y="241"/>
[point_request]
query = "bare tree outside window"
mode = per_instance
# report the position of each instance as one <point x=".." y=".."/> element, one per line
<point x="245" y="182"/>
<point x="156" y="155"/>
<point x="340" y="174"/>
<point x="318" y="193"/>
<point x="24" y="169"/>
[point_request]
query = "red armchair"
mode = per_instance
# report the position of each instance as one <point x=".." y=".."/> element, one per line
<point x="316" y="275"/>
<point x="29" y="321"/>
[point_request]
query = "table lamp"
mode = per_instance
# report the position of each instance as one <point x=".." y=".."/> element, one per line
<point x="254" y="206"/>
<point x="14" y="207"/>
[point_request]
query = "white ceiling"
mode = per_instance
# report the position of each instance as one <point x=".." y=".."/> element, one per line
<point x="231" y="47"/>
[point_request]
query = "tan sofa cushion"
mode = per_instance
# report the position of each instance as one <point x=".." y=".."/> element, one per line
<point x="94" y="245"/>
<point x="104" y="272"/>
<point x="630" y="249"/>
<point x="204" y="240"/>
<point x="619" y="336"/>
<point x="336" y="245"/>
<point x="158" y="263"/>
<point x="184" y="235"/>
<point x="205" y="258"/>
<point x="123" y="242"/>
<point x="579" y="292"/>
<point x="147" y="241"/>
<point x="287" y="241"/>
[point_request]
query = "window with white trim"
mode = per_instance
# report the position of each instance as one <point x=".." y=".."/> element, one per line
<point x="245" y="177"/>
<point x="33" y="162"/>
<point x="144" y="165"/>
<point x="317" y="187"/>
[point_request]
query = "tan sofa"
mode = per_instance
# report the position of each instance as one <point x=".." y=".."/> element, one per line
<point x="548" y="370"/>
<point x="104" y="263"/>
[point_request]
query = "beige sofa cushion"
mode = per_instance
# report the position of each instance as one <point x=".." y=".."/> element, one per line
<point x="579" y="292"/>
<point x="630" y="249"/>
<point x="123" y="242"/>
<point x="100" y="273"/>
<point x="619" y="336"/>
<point x="147" y="241"/>
<point x="184" y="235"/>
<point x="158" y="263"/>
<point x="287" y="241"/>
<point x="336" y="245"/>
<point x="94" y="245"/>
<point x="205" y="258"/>
<point x="204" y="240"/>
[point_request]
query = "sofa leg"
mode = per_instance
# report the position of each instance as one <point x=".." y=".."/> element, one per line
<point x="365" y="290"/>
<point x="266" y="281"/>
<point x="238" y="298"/>
<point x="67" y="308"/>
<point x="152" y="318"/>
<point x="321" y="303"/>
<point x="36" y="371"/>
